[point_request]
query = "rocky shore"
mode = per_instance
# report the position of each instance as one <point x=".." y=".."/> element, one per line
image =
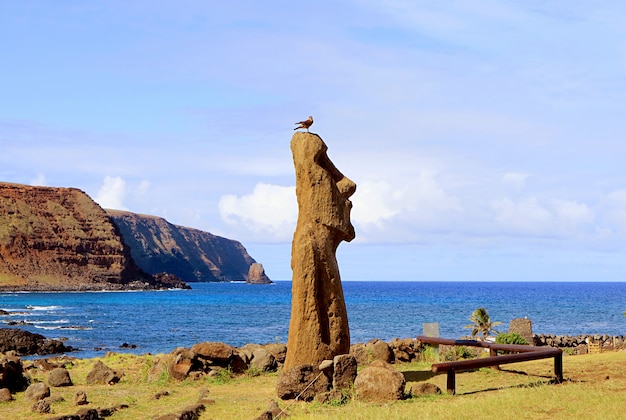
<point x="579" y="344"/>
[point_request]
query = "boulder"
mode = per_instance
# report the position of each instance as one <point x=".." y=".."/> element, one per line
<point x="405" y="350"/>
<point x="88" y="414"/>
<point x="344" y="372"/>
<point x="326" y="365"/>
<point x="159" y="370"/>
<point x="302" y="382"/>
<point x="41" y="406"/>
<point x="59" y="377"/>
<point x="246" y="351"/>
<point x="278" y="350"/>
<point x="44" y="365"/>
<point x="401" y="356"/>
<point x="180" y="366"/>
<point x="215" y="352"/>
<point x="331" y="397"/>
<point x="379" y="350"/>
<point x="80" y="398"/>
<point x="191" y="412"/>
<point x="263" y="360"/>
<point x="360" y="354"/>
<point x="379" y="382"/>
<point x="37" y="391"/>
<point x="102" y="374"/>
<point x="12" y="373"/>
<point x="425" y="388"/>
<point x="5" y="395"/>
<point x="237" y="363"/>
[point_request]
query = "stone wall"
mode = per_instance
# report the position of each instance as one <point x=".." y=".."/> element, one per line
<point x="578" y="344"/>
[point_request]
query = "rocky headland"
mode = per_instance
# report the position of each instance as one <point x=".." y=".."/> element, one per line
<point x="191" y="254"/>
<point x="59" y="239"/>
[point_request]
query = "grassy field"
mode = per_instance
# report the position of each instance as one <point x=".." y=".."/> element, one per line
<point x="594" y="387"/>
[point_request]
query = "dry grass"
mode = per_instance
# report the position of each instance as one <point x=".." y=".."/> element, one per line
<point x="595" y="387"/>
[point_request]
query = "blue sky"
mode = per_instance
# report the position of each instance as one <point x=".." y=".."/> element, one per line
<point x="486" y="138"/>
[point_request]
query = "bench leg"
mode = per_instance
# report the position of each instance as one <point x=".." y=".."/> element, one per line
<point x="493" y="353"/>
<point x="451" y="385"/>
<point x="558" y="367"/>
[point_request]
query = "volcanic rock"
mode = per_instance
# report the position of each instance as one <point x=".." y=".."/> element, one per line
<point x="379" y="382"/>
<point x="12" y="373"/>
<point x="37" y="391"/>
<point x="256" y="275"/>
<point x="216" y="352"/>
<point x="425" y="388"/>
<point x="80" y="398"/>
<point x="344" y="371"/>
<point x="102" y="374"/>
<point x="302" y="382"/>
<point x="5" y="395"/>
<point x="59" y="377"/>
<point x="380" y="350"/>
<point x="25" y="343"/>
<point x="263" y="360"/>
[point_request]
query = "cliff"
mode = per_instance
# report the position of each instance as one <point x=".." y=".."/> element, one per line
<point x="191" y="254"/>
<point x="60" y="239"/>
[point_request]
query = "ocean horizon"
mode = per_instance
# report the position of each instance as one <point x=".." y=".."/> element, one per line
<point x="238" y="313"/>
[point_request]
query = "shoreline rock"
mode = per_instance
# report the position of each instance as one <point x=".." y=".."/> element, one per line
<point x="24" y="343"/>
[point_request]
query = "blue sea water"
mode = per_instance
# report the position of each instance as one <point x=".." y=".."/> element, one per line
<point x="237" y="313"/>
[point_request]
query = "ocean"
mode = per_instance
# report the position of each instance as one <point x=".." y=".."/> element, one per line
<point x="238" y="313"/>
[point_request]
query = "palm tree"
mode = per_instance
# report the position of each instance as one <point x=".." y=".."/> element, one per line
<point x="482" y="323"/>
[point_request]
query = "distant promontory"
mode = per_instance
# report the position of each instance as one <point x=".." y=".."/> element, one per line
<point x="191" y="254"/>
<point x="59" y="239"/>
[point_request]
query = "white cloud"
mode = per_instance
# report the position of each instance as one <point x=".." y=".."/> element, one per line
<point x="516" y="179"/>
<point x="614" y="212"/>
<point x="524" y="216"/>
<point x="572" y="213"/>
<point x="270" y="210"/>
<point x="375" y="202"/>
<point x="111" y="194"/>
<point x="395" y="211"/>
<point x="39" y="181"/>
<point x="143" y="187"/>
<point x="528" y="216"/>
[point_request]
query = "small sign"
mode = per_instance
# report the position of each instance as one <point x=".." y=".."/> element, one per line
<point x="431" y="329"/>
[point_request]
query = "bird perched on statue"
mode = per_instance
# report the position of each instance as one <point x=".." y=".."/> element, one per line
<point x="305" y="124"/>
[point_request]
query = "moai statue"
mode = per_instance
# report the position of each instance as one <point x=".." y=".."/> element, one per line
<point x="318" y="329"/>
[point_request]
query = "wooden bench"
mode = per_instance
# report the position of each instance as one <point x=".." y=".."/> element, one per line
<point x="521" y="354"/>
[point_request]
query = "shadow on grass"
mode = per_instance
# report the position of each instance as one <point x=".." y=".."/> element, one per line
<point x="520" y="372"/>
<point x="418" y="375"/>
<point x="423" y="375"/>
<point x="552" y="381"/>
<point x="549" y="380"/>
